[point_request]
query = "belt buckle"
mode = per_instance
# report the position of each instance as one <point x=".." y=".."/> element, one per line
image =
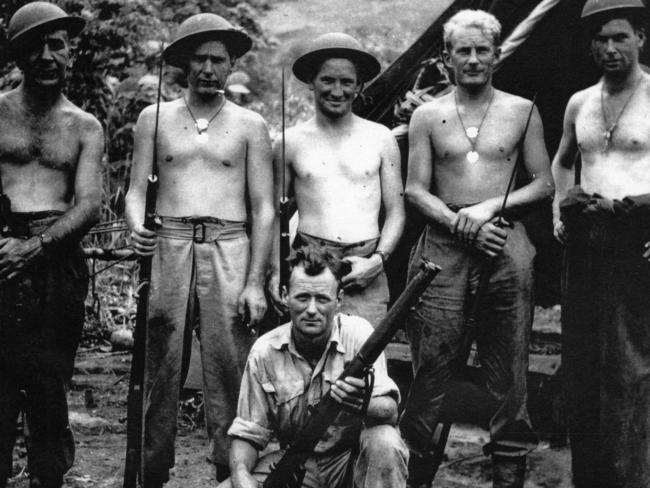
<point x="198" y="237"/>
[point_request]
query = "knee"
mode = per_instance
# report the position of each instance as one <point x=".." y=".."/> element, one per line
<point x="383" y="444"/>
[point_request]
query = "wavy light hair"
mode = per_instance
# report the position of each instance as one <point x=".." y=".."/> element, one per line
<point x="480" y="19"/>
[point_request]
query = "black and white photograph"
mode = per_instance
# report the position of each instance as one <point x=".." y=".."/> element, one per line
<point x="324" y="244"/>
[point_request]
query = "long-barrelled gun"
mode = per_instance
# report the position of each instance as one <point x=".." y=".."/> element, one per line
<point x="133" y="467"/>
<point x="290" y="470"/>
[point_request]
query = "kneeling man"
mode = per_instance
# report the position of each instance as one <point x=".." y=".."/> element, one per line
<point x="292" y="367"/>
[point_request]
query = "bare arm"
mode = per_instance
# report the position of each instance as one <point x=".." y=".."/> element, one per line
<point x="84" y="213"/>
<point x="243" y="456"/>
<point x="563" y="170"/>
<point x="473" y="224"/>
<point x="143" y="240"/>
<point x="16" y="254"/>
<point x="392" y="194"/>
<point x="259" y="182"/>
<point x="365" y="270"/>
<point x="420" y="171"/>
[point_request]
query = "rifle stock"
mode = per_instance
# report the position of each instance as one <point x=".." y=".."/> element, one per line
<point x="135" y="399"/>
<point x="285" y="244"/>
<point x="6" y="224"/>
<point x="289" y="471"/>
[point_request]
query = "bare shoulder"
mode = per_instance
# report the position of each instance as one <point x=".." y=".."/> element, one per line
<point x="8" y="106"/>
<point x="519" y="105"/>
<point x="429" y="109"/>
<point x="374" y="129"/>
<point x="86" y="122"/>
<point x="243" y="116"/>
<point x="301" y="132"/>
<point x="578" y="99"/>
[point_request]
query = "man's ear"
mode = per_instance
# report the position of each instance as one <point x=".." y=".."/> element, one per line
<point x="446" y="58"/>
<point x="233" y="60"/>
<point x="284" y="295"/>
<point x="497" y="53"/>
<point x="641" y="35"/>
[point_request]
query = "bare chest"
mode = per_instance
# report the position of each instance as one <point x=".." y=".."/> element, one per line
<point x="452" y="139"/>
<point x="52" y="143"/>
<point x="354" y="161"/>
<point x="624" y="129"/>
<point x="219" y="149"/>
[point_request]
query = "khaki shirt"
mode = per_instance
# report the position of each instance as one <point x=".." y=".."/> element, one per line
<point x="279" y="386"/>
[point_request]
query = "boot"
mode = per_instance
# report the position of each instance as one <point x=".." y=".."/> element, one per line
<point x="154" y="480"/>
<point x="508" y="472"/>
<point x="222" y="472"/>
<point x="422" y="470"/>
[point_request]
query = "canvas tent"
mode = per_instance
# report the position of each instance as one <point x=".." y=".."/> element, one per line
<point x="546" y="53"/>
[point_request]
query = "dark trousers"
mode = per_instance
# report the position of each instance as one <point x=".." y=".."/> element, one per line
<point x="435" y="327"/>
<point x="606" y="339"/>
<point x="41" y="318"/>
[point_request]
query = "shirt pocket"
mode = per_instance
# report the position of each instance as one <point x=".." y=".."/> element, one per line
<point x="285" y="390"/>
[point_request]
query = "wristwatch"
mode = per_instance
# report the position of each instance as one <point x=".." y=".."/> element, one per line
<point x="383" y="255"/>
<point x="46" y="240"/>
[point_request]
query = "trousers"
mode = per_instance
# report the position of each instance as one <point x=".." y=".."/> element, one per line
<point x="606" y="339"/>
<point x="435" y="327"/>
<point x="199" y="270"/>
<point x="41" y="319"/>
<point x="381" y="463"/>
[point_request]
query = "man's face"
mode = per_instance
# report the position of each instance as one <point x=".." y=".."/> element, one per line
<point x="616" y="46"/>
<point x="46" y="59"/>
<point x="208" y="69"/>
<point x="335" y="87"/>
<point x="471" y="55"/>
<point x="312" y="302"/>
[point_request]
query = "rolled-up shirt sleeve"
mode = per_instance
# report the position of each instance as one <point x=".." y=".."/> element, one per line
<point x="384" y="385"/>
<point x="252" y="421"/>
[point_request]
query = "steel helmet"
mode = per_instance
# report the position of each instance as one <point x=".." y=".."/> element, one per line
<point x="335" y="45"/>
<point x="38" y="17"/>
<point x="200" y="27"/>
<point x="593" y="7"/>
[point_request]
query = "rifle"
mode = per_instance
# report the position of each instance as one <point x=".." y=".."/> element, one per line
<point x="6" y="217"/>
<point x="470" y="332"/>
<point x="290" y="470"/>
<point x="285" y="215"/>
<point x="135" y="415"/>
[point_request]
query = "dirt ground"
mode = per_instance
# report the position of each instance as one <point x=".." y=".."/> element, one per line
<point x="100" y="381"/>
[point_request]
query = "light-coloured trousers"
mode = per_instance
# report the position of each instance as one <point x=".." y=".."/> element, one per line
<point x="381" y="463"/>
<point x="198" y="272"/>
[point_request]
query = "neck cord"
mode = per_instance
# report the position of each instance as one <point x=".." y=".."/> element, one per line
<point x="201" y="123"/>
<point x="609" y="131"/>
<point x="472" y="132"/>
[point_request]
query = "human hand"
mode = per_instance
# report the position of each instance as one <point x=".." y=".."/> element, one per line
<point x="350" y="393"/>
<point x="469" y="220"/>
<point x="363" y="270"/>
<point x="252" y="305"/>
<point x="491" y="239"/>
<point x="273" y="286"/>
<point x="646" y="253"/>
<point x="143" y="241"/>
<point x="16" y="254"/>
<point x="559" y="231"/>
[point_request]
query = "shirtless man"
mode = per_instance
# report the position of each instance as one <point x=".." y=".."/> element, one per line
<point x="50" y="154"/>
<point x="605" y="224"/>
<point x="462" y="150"/>
<point x="341" y="169"/>
<point x="214" y="162"/>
